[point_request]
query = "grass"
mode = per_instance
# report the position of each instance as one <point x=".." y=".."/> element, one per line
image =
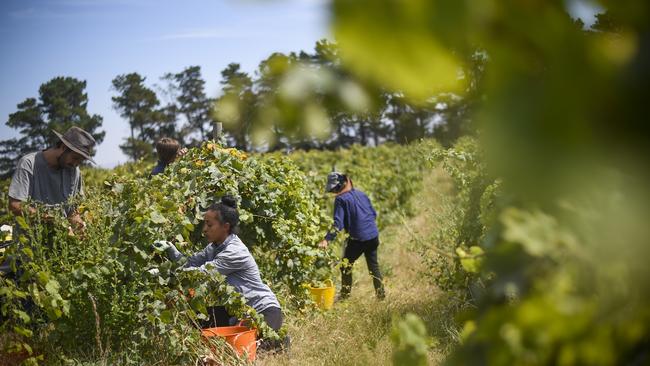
<point x="357" y="331"/>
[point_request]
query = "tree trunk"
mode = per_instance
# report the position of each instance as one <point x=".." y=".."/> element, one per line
<point x="363" y="132"/>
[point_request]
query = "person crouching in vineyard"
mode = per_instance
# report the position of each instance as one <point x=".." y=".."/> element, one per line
<point x="354" y="213"/>
<point x="227" y="254"/>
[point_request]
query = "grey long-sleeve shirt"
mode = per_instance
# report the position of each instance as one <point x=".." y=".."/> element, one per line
<point x="233" y="260"/>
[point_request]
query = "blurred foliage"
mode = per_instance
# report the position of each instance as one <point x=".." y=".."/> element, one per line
<point x="546" y="236"/>
<point x="236" y="107"/>
<point x="292" y="101"/>
<point x="561" y="128"/>
<point x="410" y="341"/>
<point x="454" y="255"/>
<point x="314" y="100"/>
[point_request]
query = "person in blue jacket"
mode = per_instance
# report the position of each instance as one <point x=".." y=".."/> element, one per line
<point x="354" y="213"/>
<point x="168" y="150"/>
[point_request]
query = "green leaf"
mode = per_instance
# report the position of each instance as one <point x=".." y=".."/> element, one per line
<point x="470" y="262"/>
<point x="410" y="341"/>
<point x="413" y="61"/>
<point x="22" y="223"/>
<point x="52" y="287"/>
<point x="157" y="217"/>
<point x="244" y="216"/>
<point x="538" y="233"/>
<point x="43" y="277"/>
<point x="23" y="331"/>
<point x="470" y="265"/>
<point x="163" y="281"/>
<point x="22" y="315"/>
<point x="166" y="316"/>
<point x="144" y="255"/>
<point x="28" y="252"/>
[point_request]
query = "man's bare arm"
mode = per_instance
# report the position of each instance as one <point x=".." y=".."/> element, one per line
<point x="15" y="206"/>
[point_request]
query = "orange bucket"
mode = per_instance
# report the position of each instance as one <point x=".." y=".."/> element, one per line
<point x="242" y="339"/>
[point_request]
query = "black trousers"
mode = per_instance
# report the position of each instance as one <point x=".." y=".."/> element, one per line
<point x="219" y="317"/>
<point x="353" y="250"/>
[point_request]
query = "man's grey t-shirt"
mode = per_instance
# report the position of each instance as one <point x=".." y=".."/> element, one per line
<point x="35" y="179"/>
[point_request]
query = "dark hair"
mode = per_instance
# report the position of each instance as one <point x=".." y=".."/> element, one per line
<point x="227" y="210"/>
<point x="342" y="182"/>
<point x="167" y="148"/>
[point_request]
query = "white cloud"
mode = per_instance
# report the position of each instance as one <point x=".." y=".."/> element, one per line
<point x="216" y="33"/>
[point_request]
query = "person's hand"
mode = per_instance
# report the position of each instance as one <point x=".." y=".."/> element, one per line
<point x="161" y="245"/>
<point x="77" y="225"/>
<point x="47" y="217"/>
<point x="181" y="152"/>
<point x="77" y="222"/>
<point x="323" y="244"/>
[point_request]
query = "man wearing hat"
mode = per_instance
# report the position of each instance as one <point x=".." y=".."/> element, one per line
<point x="52" y="176"/>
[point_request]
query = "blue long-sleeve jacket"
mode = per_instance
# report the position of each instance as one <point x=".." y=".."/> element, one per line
<point x="354" y="213"/>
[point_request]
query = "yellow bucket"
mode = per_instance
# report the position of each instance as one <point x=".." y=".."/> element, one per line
<point x="323" y="296"/>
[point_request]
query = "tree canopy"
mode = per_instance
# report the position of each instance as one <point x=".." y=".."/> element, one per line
<point x="61" y="104"/>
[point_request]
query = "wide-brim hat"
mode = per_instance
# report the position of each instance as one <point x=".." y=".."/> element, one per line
<point x="79" y="141"/>
<point x="335" y="182"/>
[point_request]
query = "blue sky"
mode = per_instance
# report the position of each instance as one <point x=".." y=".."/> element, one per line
<point x="96" y="40"/>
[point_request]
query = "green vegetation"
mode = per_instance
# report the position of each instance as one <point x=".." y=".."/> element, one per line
<point x="390" y="173"/>
<point x="125" y="301"/>
<point x="562" y="278"/>
<point x="113" y="276"/>
<point x="359" y="331"/>
<point x="529" y="237"/>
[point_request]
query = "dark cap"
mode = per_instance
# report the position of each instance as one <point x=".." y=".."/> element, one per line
<point x="335" y="182"/>
<point x="78" y="141"/>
